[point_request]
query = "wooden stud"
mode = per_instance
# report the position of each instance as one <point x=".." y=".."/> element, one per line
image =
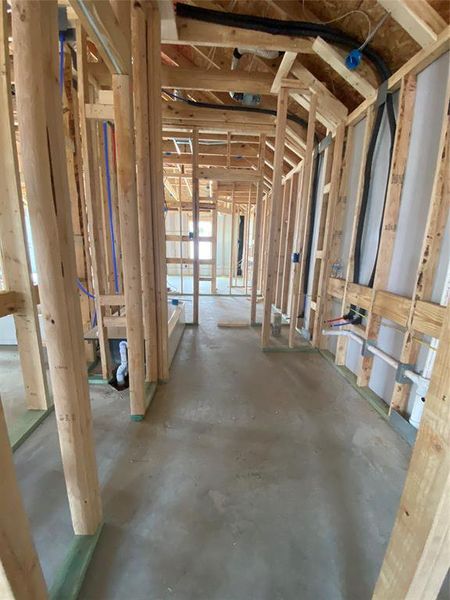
<point x="129" y="229"/>
<point x="103" y="205"/>
<point x="13" y="242"/>
<point x="326" y="261"/>
<point x="20" y="571"/>
<point x="91" y="197"/>
<point x="233" y="241"/>
<point x="246" y="249"/>
<point x="342" y="341"/>
<point x="157" y="184"/>
<point x="434" y="232"/>
<point x="337" y="225"/>
<point x="391" y="212"/>
<point x="289" y="244"/>
<point x="258" y="235"/>
<point x="282" y="246"/>
<point x="74" y="171"/>
<point x="195" y="224"/>
<point x="143" y="182"/>
<point x="214" y="248"/>
<point x="418" y="555"/>
<point x="302" y="224"/>
<point x="275" y="221"/>
<point x="39" y="113"/>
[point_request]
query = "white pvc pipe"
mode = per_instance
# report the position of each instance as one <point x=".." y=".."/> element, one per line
<point x="387" y="359"/>
<point x="420" y="381"/>
<point x="122" y="370"/>
<point x="414" y="377"/>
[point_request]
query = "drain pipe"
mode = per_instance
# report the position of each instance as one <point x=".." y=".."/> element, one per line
<point x="404" y="373"/>
<point x="122" y="370"/>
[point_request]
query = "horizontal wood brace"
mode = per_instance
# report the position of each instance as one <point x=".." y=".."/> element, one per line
<point x="427" y="319"/>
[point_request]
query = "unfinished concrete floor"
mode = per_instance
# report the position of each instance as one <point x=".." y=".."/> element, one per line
<point x="255" y="476"/>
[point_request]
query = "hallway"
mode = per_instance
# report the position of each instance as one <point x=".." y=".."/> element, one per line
<point x="251" y="472"/>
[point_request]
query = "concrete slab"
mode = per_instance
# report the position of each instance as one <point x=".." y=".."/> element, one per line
<point x="254" y="476"/>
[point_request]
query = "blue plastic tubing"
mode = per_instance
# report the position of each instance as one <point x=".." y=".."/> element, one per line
<point x="110" y="211"/>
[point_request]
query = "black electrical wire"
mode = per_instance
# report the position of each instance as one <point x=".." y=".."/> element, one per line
<point x="237" y="108"/>
<point x="365" y="193"/>
<point x="281" y="27"/>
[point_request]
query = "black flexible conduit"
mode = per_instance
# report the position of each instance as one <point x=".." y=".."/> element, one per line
<point x="237" y="108"/>
<point x="307" y="29"/>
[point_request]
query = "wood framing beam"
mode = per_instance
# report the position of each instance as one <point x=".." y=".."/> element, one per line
<point x="196" y="33"/>
<point x="223" y="80"/>
<point x="302" y="220"/>
<point x="421" y="532"/>
<point x="431" y="244"/>
<point x="337" y="62"/>
<point x="101" y="24"/>
<point x="275" y="216"/>
<point x="169" y="29"/>
<point x="417" y="17"/>
<point x="40" y="118"/>
<point x="289" y="244"/>
<point x="15" y="263"/>
<point x="77" y="198"/>
<point x="157" y="184"/>
<point x="180" y="111"/>
<point x="391" y="211"/>
<point x="427" y="317"/>
<point x="283" y="71"/>
<point x="20" y="570"/>
<point x="129" y="230"/>
<point x="327" y="104"/>
<point x="233" y="175"/>
<point x="326" y="248"/>
<point x="143" y="187"/>
<point x="91" y="199"/>
<point x="10" y="302"/>
<point x="102" y="112"/>
<point x="282" y="246"/>
<point x="209" y="160"/>
<point x="342" y="341"/>
<point x="196" y="225"/>
<point x="257" y="235"/>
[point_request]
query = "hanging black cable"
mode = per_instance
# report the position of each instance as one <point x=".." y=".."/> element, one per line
<point x="237" y="108"/>
<point x="281" y="27"/>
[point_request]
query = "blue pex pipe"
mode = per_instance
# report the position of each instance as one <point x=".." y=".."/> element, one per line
<point x="84" y="290"/>
<point x="110" y="211"/>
